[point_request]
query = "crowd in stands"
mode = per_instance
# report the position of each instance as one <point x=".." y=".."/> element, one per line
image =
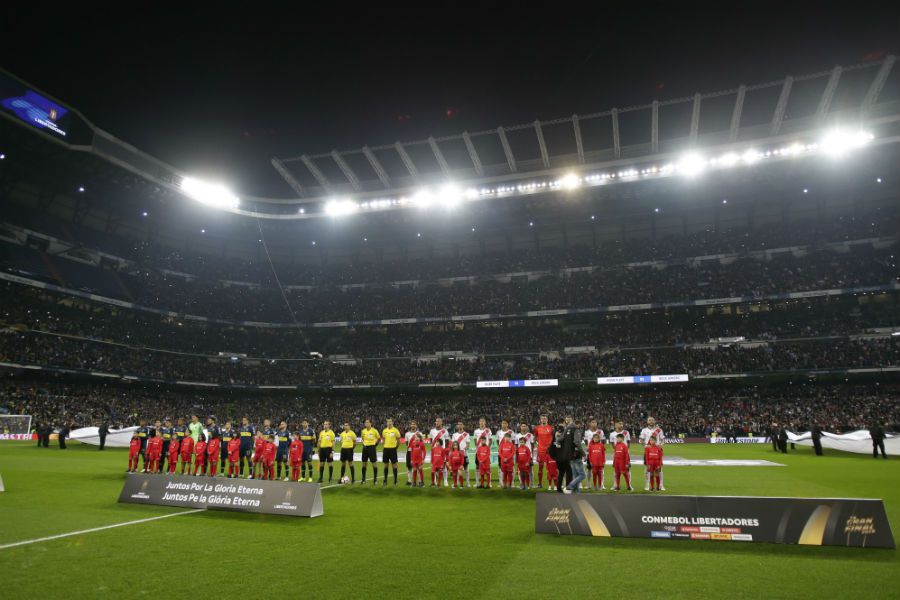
<point x="38" y="349"/>
<point x="810" y="266"/>
<point x="872" y="224"/>
<point x="744" y="277"/>
<point x="24" y="307"/>
<point x="679" y="411"/>
<point x="57" y="330"/>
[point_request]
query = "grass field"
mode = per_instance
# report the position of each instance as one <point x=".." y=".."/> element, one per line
<point x="416" y="542"/>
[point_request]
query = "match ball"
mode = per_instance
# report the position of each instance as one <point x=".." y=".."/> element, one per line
<point x="345" y="480"/>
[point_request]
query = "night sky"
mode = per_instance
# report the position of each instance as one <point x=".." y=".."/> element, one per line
<point x="219" y="91"/>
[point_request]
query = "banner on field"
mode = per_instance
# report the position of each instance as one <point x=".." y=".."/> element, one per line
<point x="807" y="521"/>
<point x="116" y="438"/>
<point x="642" y="379"/>
<point x="244" y="495"/>
<point x="518" y="383"/>
<point x="859" y="442"/>
<point x="17" y="436"/>
<point x="724" y="439"/>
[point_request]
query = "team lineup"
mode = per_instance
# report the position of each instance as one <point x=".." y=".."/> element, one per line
<point x="267" y="452"/>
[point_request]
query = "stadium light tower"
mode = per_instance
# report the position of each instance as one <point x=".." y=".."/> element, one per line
<point x="213" y="194"/>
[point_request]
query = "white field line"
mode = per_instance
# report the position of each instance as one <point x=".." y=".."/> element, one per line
<point x="64" y="535"/>
<point x="114" y="525"/>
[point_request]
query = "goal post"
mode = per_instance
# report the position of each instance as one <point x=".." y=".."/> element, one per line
<point x="15" y="427"/>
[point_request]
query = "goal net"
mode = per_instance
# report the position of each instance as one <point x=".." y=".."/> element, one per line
<point x="15" y="427"/>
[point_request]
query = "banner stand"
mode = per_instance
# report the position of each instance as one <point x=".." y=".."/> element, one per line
<point x="857" y="522"/>
<point x="244" y="495"/>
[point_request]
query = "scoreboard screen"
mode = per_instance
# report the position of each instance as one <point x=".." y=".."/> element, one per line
<point x="33" y="108"/>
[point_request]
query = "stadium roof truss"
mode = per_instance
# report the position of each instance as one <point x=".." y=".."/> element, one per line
<point x="777" y="120"/>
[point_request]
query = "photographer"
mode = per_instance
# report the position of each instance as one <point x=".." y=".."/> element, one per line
<point x="572" y="436"/>
<point x="557" y="453"/>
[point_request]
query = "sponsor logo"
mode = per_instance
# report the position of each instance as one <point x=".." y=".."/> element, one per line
<point x="661" y="534"/>
<point x="689" y="529"/>
<point x="491" y="384"/>
<point x="141" y="496"/>
<point x="709" y="530"/>
<point x="15" y="436"/>
<point x="667" y="378"/>
<point x="742" y="537"/>
<point x="699" y="536"/>
<point x="720" y="536"/>
<point x="681" y="536"/>
<point x="860" y="525"/>
<point x="285" y="506"/>
<point x="731" y="530"/>
<point x="559" y="516"/>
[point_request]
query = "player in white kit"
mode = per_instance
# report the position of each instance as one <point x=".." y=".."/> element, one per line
<point x="483" y="432"/>
<point x="652" y="430"/>
<point x="461" y="437"/>
<point x="439" y="432"/>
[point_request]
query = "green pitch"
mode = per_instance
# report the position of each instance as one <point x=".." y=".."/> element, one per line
<point x="415" y="542"/>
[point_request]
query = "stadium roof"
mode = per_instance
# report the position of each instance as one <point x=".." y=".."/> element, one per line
<point x="776" y="120"/>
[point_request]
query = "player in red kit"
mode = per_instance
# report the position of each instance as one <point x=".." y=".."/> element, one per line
<point x="544" y="434"/>
<point x="258" y="445"/>
<point x="187" y="451"/>
<point x="268" y="460"/>
<point x="622" y="462"/>
<point x="653" y="460"/>
<point x="200" y="456"/>
<point x="416" y="458"/>
<point x="134" y="453"/>
<point x="174" y="451"/>
<point x="483" y="458"/>
<point x="213" y="450"/>
<point x="552" y="473"/>
<point x="507" y="453"/>
<point x="523" y="460"/>
<point x="597" y="460"/>
<point x="234" y="456"/>
<point x="154" y="451"/>
<point x="438" y="460"/>
<point x="457" y="461"/>
<point x="295" y="456"/>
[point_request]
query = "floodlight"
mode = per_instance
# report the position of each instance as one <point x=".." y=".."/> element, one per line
<point x="450" y="196"/>
<point x="340" y="207"/>
<point x="729" y="160"/>
<point x="213" y="194"/>
<point x="838" y="141"/>
<point x="691" y="164"/>
<point x="423" y="198"/>
<point x="750" y="156"/>
<point x="570" y="181"/>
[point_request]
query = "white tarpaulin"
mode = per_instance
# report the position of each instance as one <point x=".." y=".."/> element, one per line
<point x="116" y="438"/>
<point x="859" y="442"/>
